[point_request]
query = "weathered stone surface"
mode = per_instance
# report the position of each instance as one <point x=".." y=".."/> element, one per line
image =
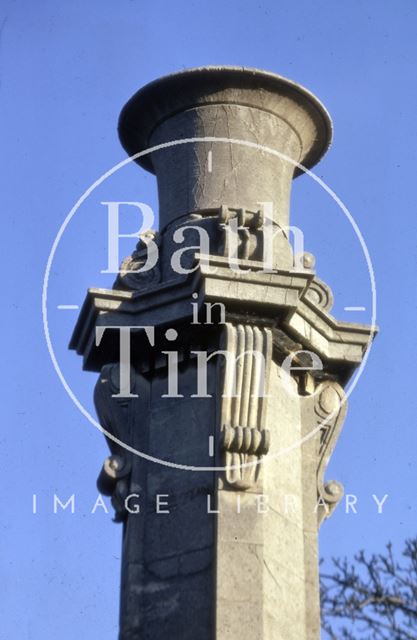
<point x="232" y="552"/>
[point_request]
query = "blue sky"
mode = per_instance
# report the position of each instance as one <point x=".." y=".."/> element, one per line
<point x="66" y="69"/>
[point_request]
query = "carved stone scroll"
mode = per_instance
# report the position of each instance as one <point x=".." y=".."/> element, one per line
<point x="245" y="387"/>
<point x="117" y="416"/>
<point x="330" y="411"/>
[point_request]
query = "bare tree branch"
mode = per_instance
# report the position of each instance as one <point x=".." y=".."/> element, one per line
<point x="372" y="598"/>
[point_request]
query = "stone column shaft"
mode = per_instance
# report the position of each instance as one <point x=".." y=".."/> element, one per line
<point x="232" y="552"/>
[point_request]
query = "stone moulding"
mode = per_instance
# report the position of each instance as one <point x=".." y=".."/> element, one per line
<point x="281" y="297"/>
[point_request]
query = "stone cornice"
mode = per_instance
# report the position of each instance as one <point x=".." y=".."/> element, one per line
<point x="281" y="298"/>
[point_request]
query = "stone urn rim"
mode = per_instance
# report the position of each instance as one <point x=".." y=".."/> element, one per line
<point x="213" y="85"/>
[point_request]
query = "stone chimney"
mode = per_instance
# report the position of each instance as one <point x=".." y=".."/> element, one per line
<point x="225" y="462"/>
<point x="236" y="104"/>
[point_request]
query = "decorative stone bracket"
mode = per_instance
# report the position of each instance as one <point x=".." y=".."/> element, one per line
<point x="116" y="416"/>
<point x="330" y="408"/>
<point x="244" y="404"/>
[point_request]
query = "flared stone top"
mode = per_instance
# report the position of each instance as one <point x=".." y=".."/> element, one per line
<point x="238" y="105"/>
